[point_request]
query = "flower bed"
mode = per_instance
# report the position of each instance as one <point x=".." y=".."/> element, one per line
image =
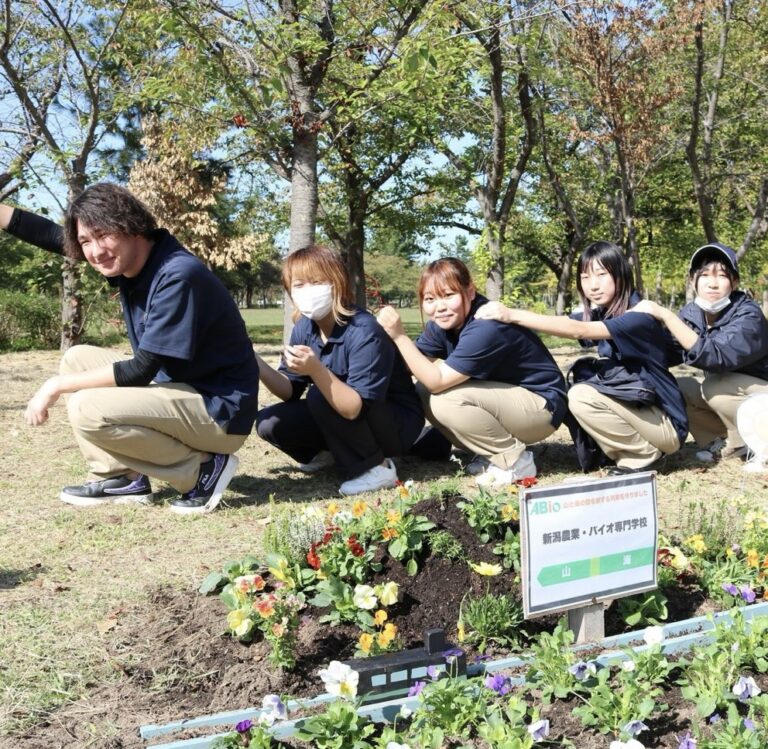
<point x="371" y="572"/>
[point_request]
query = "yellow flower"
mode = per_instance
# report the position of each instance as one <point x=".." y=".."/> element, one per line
<point x="388" y="593"/>
<point x="509" y="512"/>
<point x="380" y="617"/>
<point x="404" y="493"/>
<point x="390" y="629"/>
<point x="359" y="508"/>
<point x="461" y="634"/>
<point x="753" y="558"/>
<point x="365" y="642"/>
<point x="332" y="509"/>
<point x="240" y="622"/>
<point x="393" y="516"/>
<point x="696" y="542"/>
<point x="389" y="533"/>
<point x="485" y="569"/>
<point x="384" y="639"/>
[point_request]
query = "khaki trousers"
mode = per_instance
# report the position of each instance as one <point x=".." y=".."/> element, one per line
<point x="713" y="402"/>
<point x="161" y="430"/>
<point x="633" y="436"/>
<point x="493" y="419"/>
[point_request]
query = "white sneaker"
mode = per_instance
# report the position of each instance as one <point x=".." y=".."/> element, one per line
<point x="523" y="468"/>
<point x="378" y="477"/>
<point x="324" y="459"/>
<point x="479" y="464"/>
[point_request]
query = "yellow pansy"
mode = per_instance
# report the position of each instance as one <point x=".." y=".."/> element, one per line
<point x="461" y="634"/>
<point x="393" y="516"/>
<point x="365" y="642"/>
<point x="359" y="508"/>
<point x="696" y="542"/>
<point x="509" y="512"/>
<point x="332" y="509"/>
<point x="753" y="558"/>
<point x="380" y="617"/>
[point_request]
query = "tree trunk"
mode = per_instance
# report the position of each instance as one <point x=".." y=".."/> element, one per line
<point x="494" y="280"/>
<point x="71" y="297"/>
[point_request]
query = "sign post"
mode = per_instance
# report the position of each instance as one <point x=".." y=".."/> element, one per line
<point x="586" y="543"/>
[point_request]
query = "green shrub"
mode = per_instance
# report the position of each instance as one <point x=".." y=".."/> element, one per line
<point x="29" y="321"/>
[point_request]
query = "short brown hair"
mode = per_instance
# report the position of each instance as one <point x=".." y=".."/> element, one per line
<point x="448" y="273"/>
<point x="107" y="209"/>
<point x="321" y="263"/>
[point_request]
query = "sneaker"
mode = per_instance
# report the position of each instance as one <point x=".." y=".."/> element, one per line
<point x="479" y="464"/>
<point x="719" y="449"/>
<point x="118" y="490"/>
<point x="523" y="468"/>
<point x="324" y="459"/>
<point x="378" y="477"/>
<point x="214" y="477"/>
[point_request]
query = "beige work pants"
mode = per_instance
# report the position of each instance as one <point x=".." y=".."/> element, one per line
<point x="713" y="402"/>
<point x="633" y="436"/>
<point x="161" y="430"/>
<point x="493" y="419"/>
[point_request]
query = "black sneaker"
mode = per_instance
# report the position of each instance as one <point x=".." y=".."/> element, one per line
<point x="214" y="477"/>
<point x="119" y="490"/>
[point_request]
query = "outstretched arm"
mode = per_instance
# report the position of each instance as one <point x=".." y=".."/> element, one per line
<point x="276" y="382"/>
<point x="29" y="227"/>
<point x="436" y="376"/>
<point x="558" y="325"/>
<point x="685" y="336"/>
<point x="49" y="392"/>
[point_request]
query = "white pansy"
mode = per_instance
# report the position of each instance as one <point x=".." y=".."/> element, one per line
<point x="654" y="635"/>
<point x="364" y="597"/>
<point x="340" y="680"/>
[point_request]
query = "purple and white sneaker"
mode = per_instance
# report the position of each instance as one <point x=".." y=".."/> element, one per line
<point x="213" y="479"/>
<point x="118" y="490"/>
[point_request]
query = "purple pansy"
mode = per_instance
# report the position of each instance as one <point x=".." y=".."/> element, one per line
<point x="433" y="672"/>
<point x="539" y="730"/>
<point x="634" y="727"/>
<point x="499" y="683"/>
<point x="583" y="670"/>
<point x="416" y="688"/>
<point x="244" y="726"/>
<point x="731" y="589"/>
<point x="749" y="724"/>
<point x="714" y="718"/>
<point x="687" y="742"/>
<point x="748" y="594"/>
<point x="745" y="688"/>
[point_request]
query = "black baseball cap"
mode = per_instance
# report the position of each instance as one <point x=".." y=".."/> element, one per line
<point x="714" y="251"/>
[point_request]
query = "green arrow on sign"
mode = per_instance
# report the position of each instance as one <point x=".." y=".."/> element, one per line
<point x="567" y="572"/>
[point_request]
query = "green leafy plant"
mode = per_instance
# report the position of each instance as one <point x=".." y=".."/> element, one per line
<point x="216" y="580"/>
<point x="342" y="554"/>
<point x="339" y="727"/>
<point x="445" y="545"/>
<point x="488" y="513"/>
<point x="644" y="608"/>
<point x="707" y="677"/>
<point x="509" y="550"/>
<point x="736" y="731"/>
<point x="490" y="618"/>
<point x="353" y="604"/>
<point x="405" y="535"/>
<point x="450" y="705"/>
<point x="552" y="659"/>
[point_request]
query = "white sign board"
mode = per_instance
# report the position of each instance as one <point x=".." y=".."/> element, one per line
<point x="588" y="541"/>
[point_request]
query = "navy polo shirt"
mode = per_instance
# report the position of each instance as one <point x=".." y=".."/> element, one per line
<point x="498" y="352"/>
<point x="177" y="308"/>
<point x="362" y="356"/>
<point x="639" y="337"/>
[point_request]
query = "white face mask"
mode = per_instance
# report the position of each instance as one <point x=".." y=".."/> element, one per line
<point x="314" y="301"/>
<point x="713" y="307"/>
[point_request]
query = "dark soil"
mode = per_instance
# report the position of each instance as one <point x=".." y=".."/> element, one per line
<point x="173" y="658"/>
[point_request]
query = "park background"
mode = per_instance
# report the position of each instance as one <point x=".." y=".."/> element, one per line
<point x="509" y="134"/>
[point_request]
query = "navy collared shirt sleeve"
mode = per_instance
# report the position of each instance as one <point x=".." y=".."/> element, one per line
<point x="481" y="347"/>
<point x="171" y="327"/>
<point x="370" y="357"/>
<point x="432" y="342"/>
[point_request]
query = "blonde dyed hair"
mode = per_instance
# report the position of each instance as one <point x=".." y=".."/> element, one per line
<point x="321" y="264"/>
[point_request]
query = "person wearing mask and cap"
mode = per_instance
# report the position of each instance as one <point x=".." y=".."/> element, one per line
<point x="723" y="332"/>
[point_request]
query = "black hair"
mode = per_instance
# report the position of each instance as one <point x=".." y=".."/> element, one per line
<point x="107" y="209"/>
<point x="609" y="256"/>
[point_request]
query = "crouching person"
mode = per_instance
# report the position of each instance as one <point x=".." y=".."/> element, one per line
<point x="185" y="402"/>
